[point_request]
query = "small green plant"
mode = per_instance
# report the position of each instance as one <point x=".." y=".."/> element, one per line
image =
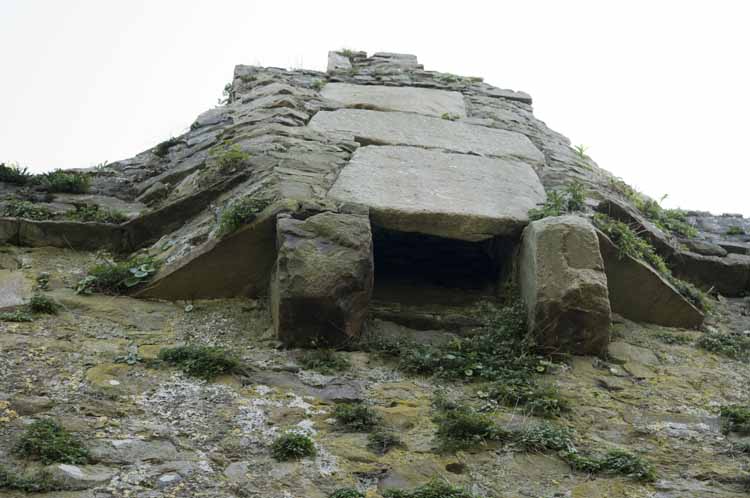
<point x="381" y="441"/>
<point x="15" y="174"/>
<point x="38" y="482"/>
<point x="71" y="182"/>
<point x="735" y="418"/>
<point x="730" y="345"/>
<point x="346" y="493"/>
<point x="581" y="150"/>
<point x="25" y="209"/>
<point x="16" y="316"/>
<point x="42" y="281"/>
<point x="570" y="200"/>
<point x="292" y="446"/>
<point x="239" y="213"/>
<point x="325" y="361"/>
<point x="544" y="437"/>
<point x="92" y="212"/>
<point x="462" y="428"/>
<point x="530" y="396"/>
<point x="356" y="417"/>
<point x="433" y="489"/>
<point x="231" y="159"/>
<point x="450" y="117"/>
<point x="318" y="85"/>
<point x="347" y="52"/>
<point x="624" y="463"/>
<point x="47" y="441"/>
<point x="735" y="230"/>
<point x="39" y="303"/>
<point x="668" y="338"/>
<point x="162" y="149"/>
<point x="204" y="362"/>
<point x="112" y="277"/>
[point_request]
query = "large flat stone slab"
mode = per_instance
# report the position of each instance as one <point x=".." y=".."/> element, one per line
<point x="438" y="193"/>
<point x="401" y="128"/>
<point x="15" y="289"/>
<point x="392" y="98"/>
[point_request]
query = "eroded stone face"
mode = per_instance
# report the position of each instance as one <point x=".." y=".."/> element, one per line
<point x="438" y="193"/>
<point x="400" y="128"/>
<point x="564" y="287"/>
<point x="392" y="98"/>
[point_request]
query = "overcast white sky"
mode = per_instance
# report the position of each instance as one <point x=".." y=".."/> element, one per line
<point x="659" y="90"/>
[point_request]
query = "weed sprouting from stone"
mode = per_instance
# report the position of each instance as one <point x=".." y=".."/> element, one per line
<point x="25" y="209"/>
<point x="571" y="199"/>
<point x="531" y="397"/>
<point x="200" y="361"/>
<point x="14" y="174"/>
<point x="240" y="213"/>
<point x="735" y="418"/>
<point x="346" y="493"/>
<point x="111" y="277"/>
<point x="433" y="489"/>
<point x="462" y="428"/>
<point x="733" y="346"/>
<point x="72" y="182"/>
<point x="292" y="446"/>
<point x="735" y="230"/>
<point x="325" y="361"/>
<point x="17" y="316"/>
<point x="544" y="437"/>
<point x="47" y="441"/>
<point x="162" y="149"/>
<point x="39" y="303"/>
<point x="38" y="482"/>
<point x="668" y="338"/>
<point x="356" y="417"/>
<point x="92" y="212"/>
<point x="381" y="441"/>
<point x="231" y="159"/>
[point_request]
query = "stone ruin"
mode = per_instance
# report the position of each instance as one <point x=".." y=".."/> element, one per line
<point x="387" y="190"/>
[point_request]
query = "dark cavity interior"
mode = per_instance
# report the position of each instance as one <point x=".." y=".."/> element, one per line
<point x="413" y="268"/>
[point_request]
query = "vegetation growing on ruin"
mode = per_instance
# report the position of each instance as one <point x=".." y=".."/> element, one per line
<point x="733" y="346"/>
<point x="14" y="174"/>
<point x="292" y="446"/>
<point x="24" y="209"/>
<point x="117" y="277"/>
<point x="19" y="316"/>
<point x="570" y="199"/>
<point x="162" y="149"/>
<point x="71" y="182"/>
<point x="92" y="212"/>
<point x="433" y="489"/>
<point x="37" y="482"/>
<point x="356" y="417"/>
<point x="541" y="400"/>
<point x="205" y="362"/>
<point x="736" y="230"/>
<point x="39" y="303"/>
<point x="240" y="213"/>
<point x="382" y="440"/>
<point x="231" y="159"/>
<point x="47" y="441"/>
<point x="324" y="360"/>
<point x="735" y="418"/>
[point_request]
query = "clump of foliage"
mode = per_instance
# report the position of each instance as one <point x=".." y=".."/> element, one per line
<point x="534" y="398"/>
<point x="205" y="362"/>
<point x="544" y="437"/>
<point x="571" y="199"/>
<point x="292" y="446"/>
<point x="324" y="360"/>
<point x="15" y="174"/>
<point x="450" y="117"/>
<point x="111" y="277"/>
<point x="16" y="316"/>
<point x="346" y="493"/>
<point x="162" y="149"/>
<point x="668" y="338"/>
<point x="240" y="213"/>
<point x="47" y="441"/>
<point x="24" y="209"/>
<point x="356" y="417"/>
<point x="730" y="345"/>
<point x="461" y="427"/>
<point x="434" y="489"/>
<point x="669" y="220"/>
<point x="631" y="244"/>
<point x="231" y="159"/>
<point x="39" y="303"/>
<point x="92" y="212"/>
<point x="735" y="418"/>
<point x="38" y="482"/>
<point x="448" y="78"/>
<point x="735" y="230"/>
<point x="381" y="441"/>
<point x="318" y="85"/>
<point x="613" y="462"/>
<point x="72" y="182"/>
<point x="581" y="150"/>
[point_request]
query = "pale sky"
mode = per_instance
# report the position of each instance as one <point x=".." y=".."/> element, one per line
<point x="659" y="90"/>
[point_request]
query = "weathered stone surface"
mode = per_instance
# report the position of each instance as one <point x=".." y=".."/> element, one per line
<point x="704" y="247"/>
<point x="70" y="234"/>
<point x="389" y="98"/>
<point x="622" y="211"/>
<point x="9" y="230"/>
<point x="639" y="293"/>
<point x="338" y="62"/>
<point x="15" y="289"/>
<point x="562" y="281"/>
<point x="433" y="192"/>
<point x="729" y="276"/>
<point x="77" y="477"/>
<point x="400" y="128"/>
<point x="323" y="278"/>
<point x="128" y="451"/>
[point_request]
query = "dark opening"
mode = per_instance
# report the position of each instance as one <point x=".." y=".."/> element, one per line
<point x="413" y="268"/>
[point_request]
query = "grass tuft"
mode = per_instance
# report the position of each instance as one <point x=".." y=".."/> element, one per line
<point x="71" y="182"/>
<point x="434" y="489"/>
<point x="292" y="446"/>
<point x="111" y="277"/>
<point x="47" y="441"/>
<point x="240" y="213"/>
<point x="735" y="418"/>
<point x="25" y="209"/>
<point x="39" y="303"/>
<point x="204" y="362"/>
<point x="356" y="417"/>
<point x="346" y="493"/>
<point x="14" y="174"/>
<point x="325" y="361"/>
<point x="381" y="441"/>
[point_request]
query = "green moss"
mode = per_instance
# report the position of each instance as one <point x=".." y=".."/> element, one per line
<point x="15" y="174"/>
<point x="324" y="360"/>
<point x="47" y="441"/>
<point x="72" y="182"/>
<point x="92" y="212"/>
<point x="162" y="149"/>
<point x="16" y="316"/>
<point x="381" y="441"/>
<point x="39" y="303"/>
<point x="240" y="213"/>
<point x="28" y="210"/>
<point x="292" y="446"/>
<point x="571" y="199"/>
<point x="434" y="489"/>
<point x="117" y="277"/>
<point x="346" y="493"/>
<point x="200" y="361"/>
<point x="356" y="417"/>
<point x="730" y="345"/>
<point x="38" y="482"/>
<point x="735" y="418"/>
